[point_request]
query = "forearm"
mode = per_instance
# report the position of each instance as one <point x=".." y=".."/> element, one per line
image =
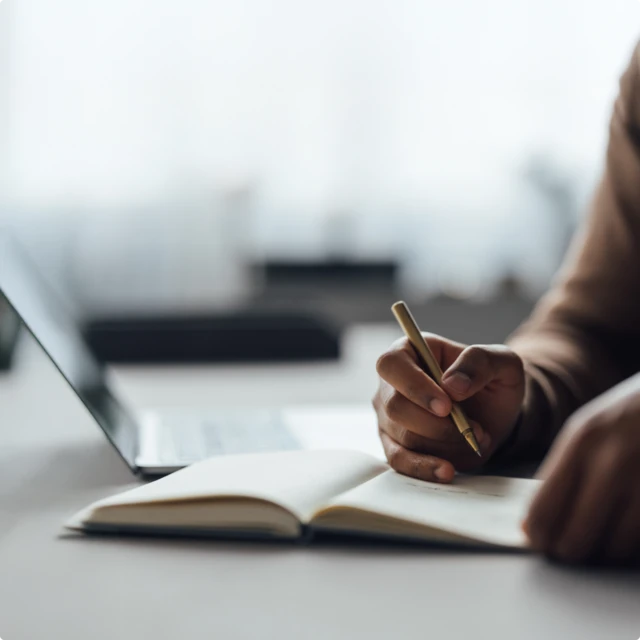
<point x="566" y="366"/>
<point x="583" y="336"/>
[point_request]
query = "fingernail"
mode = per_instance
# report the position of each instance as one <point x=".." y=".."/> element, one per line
<point x="443" y="474"/>
<point x="438" y="407"/>
<point x="479" y="434"/>
<point x="458" y="381"/>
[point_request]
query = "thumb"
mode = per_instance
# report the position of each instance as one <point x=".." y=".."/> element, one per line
<point x="479" y="365"/>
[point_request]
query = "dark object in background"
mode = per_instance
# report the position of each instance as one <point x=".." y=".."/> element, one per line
<point x="374" y="274"/>
<point x="9" y="329"/>
<point x="237" y="337"/>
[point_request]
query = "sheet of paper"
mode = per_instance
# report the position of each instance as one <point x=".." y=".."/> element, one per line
<point x="300" y="481"/>
<point x="485" y="508"/>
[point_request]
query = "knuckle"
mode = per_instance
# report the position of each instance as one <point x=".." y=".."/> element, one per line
<point x="395" y="458"/>
<point x="504" y="352"/>
<point x="431" y="338"/>
<point x="418" y="468"/>
<point x="385" y="362"/>
<point x="399" y="344"/>
<point x="477" y="356"/>
<point x="375" y="401"/>
<point x="393" y="406"/>
<point x="591" y="431"/>
<point x="507" y="359"/>
<point x="409" y="440"/>
<point x="614" y="457"/>
<point x="415" y="393"/>
<point x="514" y="359"/>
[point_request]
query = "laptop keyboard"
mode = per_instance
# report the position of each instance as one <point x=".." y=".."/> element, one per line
<point x="191" y="438"/>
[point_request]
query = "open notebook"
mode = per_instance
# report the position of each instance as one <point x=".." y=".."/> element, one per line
<point x="294" y="494"/>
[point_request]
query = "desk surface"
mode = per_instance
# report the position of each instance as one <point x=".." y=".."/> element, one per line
<point x="54" y="461"/>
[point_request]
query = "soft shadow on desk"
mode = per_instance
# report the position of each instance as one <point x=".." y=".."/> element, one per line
<point x="40" y="477"/>
<point x="348" y="544"/>
<point x="542" y="570"/>
<point x="571" y="583"/>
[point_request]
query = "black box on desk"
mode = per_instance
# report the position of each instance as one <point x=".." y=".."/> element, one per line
<point x="250" y="336"/>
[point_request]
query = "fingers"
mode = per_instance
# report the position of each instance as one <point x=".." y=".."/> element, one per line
<point x="413" y="411"/>
<point x="589" y="508"/>
<point x="416" y="465"/>
<point x="478" y="366"/>
<point x="400" y="369"/>
<point x="624" y="542"/>
<point x="454" y="446"/>
<point x="574" y="514"/>
<point x="400" y="411"/>
<point x="418" y="430"/>
<point x="587" y="519"/>
<point x="551" y="504"/>
<point x="458" y="453"/>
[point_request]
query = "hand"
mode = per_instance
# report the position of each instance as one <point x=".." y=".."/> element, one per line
<point x="418" y="437"/>
<point x="588" y="508"/>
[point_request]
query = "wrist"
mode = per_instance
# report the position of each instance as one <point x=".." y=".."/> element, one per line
<point x="503" y="450"/>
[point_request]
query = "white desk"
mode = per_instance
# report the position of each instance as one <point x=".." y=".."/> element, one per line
<point x="53" y="461"/>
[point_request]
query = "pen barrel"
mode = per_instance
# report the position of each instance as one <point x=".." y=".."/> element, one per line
<point x="410" y="327"/>
<point x="432" y="366"/>
<point x="459" y="419"/>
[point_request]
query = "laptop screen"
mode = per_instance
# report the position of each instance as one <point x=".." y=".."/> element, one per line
<point x="54" y="326"/>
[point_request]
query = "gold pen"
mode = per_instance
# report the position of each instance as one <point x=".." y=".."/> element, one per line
<point x="429" y="362"/>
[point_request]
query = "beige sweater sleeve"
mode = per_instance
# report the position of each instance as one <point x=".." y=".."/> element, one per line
<point x="584" y="335"/>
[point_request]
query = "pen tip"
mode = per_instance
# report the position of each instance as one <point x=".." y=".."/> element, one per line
<point x="473" y="443"/>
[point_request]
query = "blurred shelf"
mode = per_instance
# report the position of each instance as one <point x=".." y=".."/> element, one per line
<point x="334" y="272"/>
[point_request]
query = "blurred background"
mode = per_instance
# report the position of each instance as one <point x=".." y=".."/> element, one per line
<point x="328" y="157"/>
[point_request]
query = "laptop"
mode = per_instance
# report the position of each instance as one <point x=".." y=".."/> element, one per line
<point x="151" y="443"/>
